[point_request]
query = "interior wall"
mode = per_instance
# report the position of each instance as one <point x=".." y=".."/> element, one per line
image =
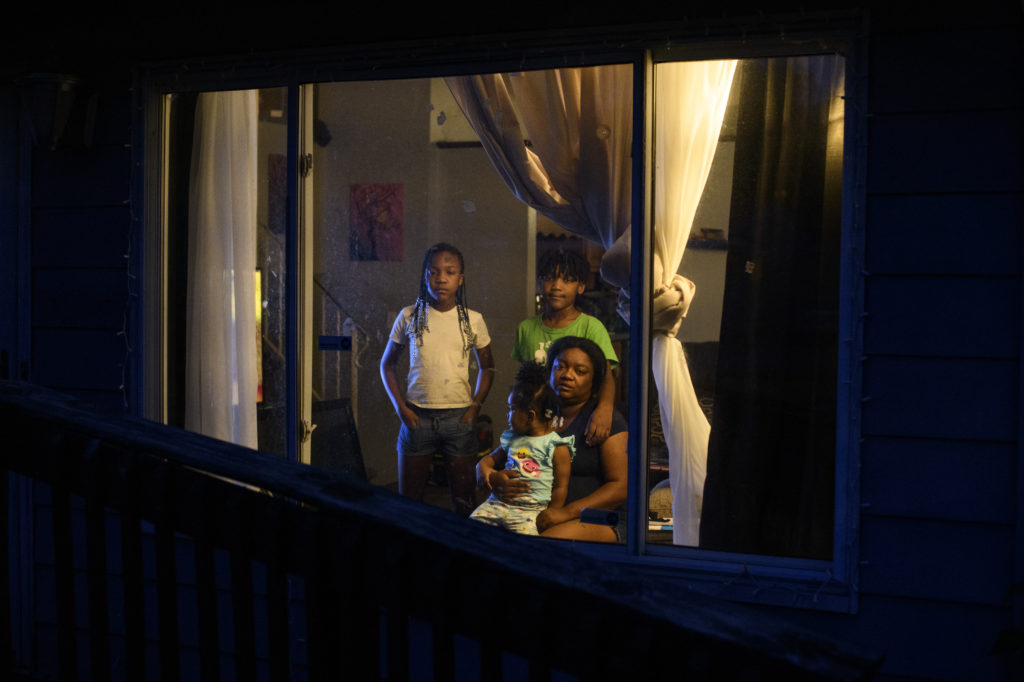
<point x="379" y="133"/>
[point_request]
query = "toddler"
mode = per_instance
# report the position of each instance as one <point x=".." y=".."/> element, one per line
<point x="532" y="449"/>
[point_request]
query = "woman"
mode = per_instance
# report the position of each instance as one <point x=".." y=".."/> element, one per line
<point x="576" y="368"/>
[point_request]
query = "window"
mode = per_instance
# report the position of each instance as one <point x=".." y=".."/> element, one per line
<point x="761" y="337"/>
<point x="745" y="227"/>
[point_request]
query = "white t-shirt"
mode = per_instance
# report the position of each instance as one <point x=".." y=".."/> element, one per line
<point x="439" y="369"/>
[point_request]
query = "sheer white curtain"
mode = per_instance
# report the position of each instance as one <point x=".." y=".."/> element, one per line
<point x="576" y="170"/>
<point x="220" y="365"/>
<point x="690" y="99"/>
<point x="560" y="139"/>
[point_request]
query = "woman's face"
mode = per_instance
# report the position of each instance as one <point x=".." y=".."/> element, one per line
<point x="572" y="376"/>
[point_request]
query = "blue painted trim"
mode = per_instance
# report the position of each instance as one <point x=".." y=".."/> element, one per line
<point x="849" y="393"/>
<point x="1018" y="554"/>
<point x="639" y="341"/>
<point x="23" y="354"/>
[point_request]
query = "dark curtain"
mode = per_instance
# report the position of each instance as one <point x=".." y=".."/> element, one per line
<point x="770" y="478"/>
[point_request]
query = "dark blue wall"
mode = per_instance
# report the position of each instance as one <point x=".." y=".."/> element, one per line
<point x="940" y="530"/>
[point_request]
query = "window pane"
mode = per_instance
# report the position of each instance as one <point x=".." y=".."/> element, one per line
<point x="760" y="337"/>
<point x="211" y="221"/>
<point x="397" y="168"/>
<point x="272" y="269"/>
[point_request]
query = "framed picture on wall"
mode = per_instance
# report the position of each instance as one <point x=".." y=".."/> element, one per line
<point x="376" y="214"/>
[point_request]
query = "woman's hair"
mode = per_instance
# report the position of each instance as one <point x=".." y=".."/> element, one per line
<point x="531" y="391"/>
<point x="419" y="313"/>
<point x="592" y="350"/>
<point x="565" y="262"/>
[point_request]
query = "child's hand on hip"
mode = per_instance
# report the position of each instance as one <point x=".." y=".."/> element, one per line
<point x="408" y="417"/>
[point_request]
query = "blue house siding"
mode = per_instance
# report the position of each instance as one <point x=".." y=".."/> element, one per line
<point x="942" y="342"/>
<point x="81" y="251"/>
<point x="941" y="444"/>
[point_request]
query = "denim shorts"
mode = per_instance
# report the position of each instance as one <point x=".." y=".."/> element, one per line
<point x="602" y="517"/>
<point x="439" y="431"/>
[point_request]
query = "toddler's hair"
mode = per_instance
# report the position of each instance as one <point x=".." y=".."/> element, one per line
<point x="419" y="313"/>
<point x="531" y="391"/>
<point x="565" y="262"/>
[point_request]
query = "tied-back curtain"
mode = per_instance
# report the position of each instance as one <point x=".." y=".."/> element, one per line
<point x="220" y="364"/>
<point x="690" y="100"/>
<point x="561" y="141"/>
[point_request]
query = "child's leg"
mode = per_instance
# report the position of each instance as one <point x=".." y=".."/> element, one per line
<point x="460" y="447"/>
<point x="412" y="474"/>
<point x="522" y="520"/>
<point x="416" y="447"/>
<point x="462" y="483"/>
<point x="492" y="512"/>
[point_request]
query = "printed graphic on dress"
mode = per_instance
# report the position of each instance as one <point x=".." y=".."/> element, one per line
<point x="522" y="460"/>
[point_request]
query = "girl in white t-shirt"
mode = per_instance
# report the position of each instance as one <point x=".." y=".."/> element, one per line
<point x="439" y="409"/>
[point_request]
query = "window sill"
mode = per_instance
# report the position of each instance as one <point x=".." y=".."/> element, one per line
<point x="763" y="580"/>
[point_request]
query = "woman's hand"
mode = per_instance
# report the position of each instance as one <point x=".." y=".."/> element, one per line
<point x="552" y="517"/>
<point x="506" y="486"/>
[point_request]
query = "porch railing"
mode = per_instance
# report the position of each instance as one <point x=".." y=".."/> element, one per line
<point x="158" y="554"/>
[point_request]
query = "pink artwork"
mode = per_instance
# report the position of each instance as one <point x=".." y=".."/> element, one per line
<point x="376" y="212"/>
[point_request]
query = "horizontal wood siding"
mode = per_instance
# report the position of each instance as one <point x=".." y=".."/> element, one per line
<point x="927" y="639"/>
<point x="930" y="152"/>
<point x="962" y="398"/>
<point x="73" y="237"/>
<point x="943" y="316"/>
<point x="80" y="250"/>
<point x="980" y="234"/>
<point x="942" y="340"/>
<point x="77" y="359"/>
<point x="930" y="478"/>
<point x="950" y="70"/>
<point x="925" y="559"/>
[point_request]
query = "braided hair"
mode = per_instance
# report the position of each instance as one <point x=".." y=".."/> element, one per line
<point x="419" y="314"/>
<point x="531" y="391"/>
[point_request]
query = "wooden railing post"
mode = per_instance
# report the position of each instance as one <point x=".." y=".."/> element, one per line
<point x="162" y="488"/>
<point x="131" y="568"/>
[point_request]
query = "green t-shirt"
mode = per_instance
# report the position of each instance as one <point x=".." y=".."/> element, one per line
<point x="533" y="338"/>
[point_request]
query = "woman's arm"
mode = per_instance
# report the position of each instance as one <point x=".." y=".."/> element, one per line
<point x="504" y="483"/>
<point x="600" y="424"/>
<point x="389" y="375"/>
<point x="563" y="468"/>
<point x="484" y="379"/>
<point x="614" y="468"/>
